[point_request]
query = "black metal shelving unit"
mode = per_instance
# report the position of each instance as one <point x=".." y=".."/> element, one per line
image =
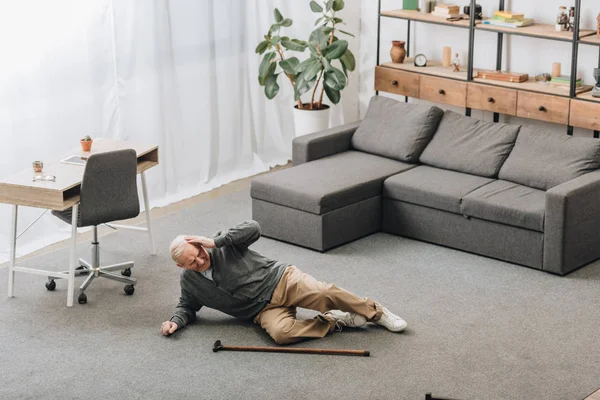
<point x="472" y="28"/>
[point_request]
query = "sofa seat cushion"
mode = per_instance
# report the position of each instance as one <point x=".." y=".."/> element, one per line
<point x="328" y="183"/>
<point x="395" y="129"/>
<point x="508" y="203"/>
<point x="432" y="187"/>
<point x="469" y="145"/>
<point x="543" y="160"/>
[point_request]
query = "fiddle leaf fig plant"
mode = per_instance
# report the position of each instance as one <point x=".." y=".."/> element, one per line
<point x="326" y="67"/>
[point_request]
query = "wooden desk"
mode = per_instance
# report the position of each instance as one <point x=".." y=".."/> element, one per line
<point x="21" y="190"/>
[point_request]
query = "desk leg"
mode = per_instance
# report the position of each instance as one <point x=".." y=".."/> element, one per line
<point x="147" y="210"/>
<point x="13" y="251"/>
<point x="72" y="256"/>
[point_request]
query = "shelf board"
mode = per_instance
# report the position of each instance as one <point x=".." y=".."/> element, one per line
<point x="413" y="15"/>
<point x="544" y="31"/>
<point x="593" y="40"/>
<point x="532" y="86"/>
<point x="433" y="68"/>
<point x="587" y="96"/>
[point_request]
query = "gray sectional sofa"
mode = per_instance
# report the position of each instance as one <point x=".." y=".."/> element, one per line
<point x="510" y="192"/>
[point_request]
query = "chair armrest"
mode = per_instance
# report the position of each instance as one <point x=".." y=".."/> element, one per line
<point x="572" y="224"/>
<point x="322" y="144"/>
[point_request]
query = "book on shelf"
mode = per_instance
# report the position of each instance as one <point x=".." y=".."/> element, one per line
<point x="446" y="5"/>
<point x="508" y="14"/>
<point x="447" y="11"/>
<point x="565" y="81"/>
<point x="444" y="15"/>
<point x="511" y="20"/>
<point x="520" y="24"/>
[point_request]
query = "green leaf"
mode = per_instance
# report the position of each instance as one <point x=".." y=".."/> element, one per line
<point x="329" y="5"/>
<point x="290" y="65"/>
<point x="332" y="94"/>
<point x="286" y="22"/>
<point x="262" y="46"/>
<point x="318" y="21"/>
<point x="275" y="40"/>
<point x="338" y="5"/>
<point x="327" y="30"/>
<point x="315" y="7"/>
<point x="274" y="28"/>
<point x="337" y="20"/>
<point x="294" y="44"/>
<point x="336" y="49"/>
<point x="278" y="16"/>
<point x="346" y="33"/>
<point x="326" y="64"/>
<point x="319" y="37"/>
<point x="266" y="67"/>
<point x="271" y="86"/>
<point x="335" y="79"/>
<point x="302" y="87"/>
<point x="311" y="70"/>
<point x="348" y="60"/>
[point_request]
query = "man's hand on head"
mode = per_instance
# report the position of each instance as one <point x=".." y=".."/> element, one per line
<point x="201" y="240"/>
<point x="168" y="327"/>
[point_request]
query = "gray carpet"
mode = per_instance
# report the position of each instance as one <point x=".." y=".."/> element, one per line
<point x="478" y="328"/>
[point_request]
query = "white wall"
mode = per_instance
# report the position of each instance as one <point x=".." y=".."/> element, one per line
<point x="521" y="54"/>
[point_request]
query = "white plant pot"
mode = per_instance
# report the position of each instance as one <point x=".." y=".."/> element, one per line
<point x="309" y="121"/>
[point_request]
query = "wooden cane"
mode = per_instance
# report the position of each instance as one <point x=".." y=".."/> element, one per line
<point x="218" y="346"/>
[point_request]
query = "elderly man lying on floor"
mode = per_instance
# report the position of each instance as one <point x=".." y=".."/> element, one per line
<point x="223" y="273"/>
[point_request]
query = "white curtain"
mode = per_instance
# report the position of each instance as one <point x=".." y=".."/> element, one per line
<point x="181" y="74"/>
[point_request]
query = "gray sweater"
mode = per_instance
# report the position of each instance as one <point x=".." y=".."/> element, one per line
<point x="243" y="280"/>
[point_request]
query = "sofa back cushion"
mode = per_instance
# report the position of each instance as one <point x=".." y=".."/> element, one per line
<point x="396" y="129"/>
<point x="543" y="160"/>
<point x="469" y="145"/>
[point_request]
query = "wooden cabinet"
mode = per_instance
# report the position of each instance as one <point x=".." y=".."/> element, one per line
<point x="543" y="107"/>
<point x="490" y="98"/>
<point x="443" y="90"/>
<point x="585" y="114"/>
<point x="397" y="82"/>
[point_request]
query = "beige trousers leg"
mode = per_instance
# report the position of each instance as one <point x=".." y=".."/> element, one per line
<point x="297" y="289"/>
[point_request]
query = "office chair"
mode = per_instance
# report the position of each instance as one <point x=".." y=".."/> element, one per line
<point x="108" y="193"/>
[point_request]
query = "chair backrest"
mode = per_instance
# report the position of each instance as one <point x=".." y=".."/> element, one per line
<point x="109" y="188"/>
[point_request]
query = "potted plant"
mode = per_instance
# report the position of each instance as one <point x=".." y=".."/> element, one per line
<point x="86" y="143"/>
<point x="316" y="75"/>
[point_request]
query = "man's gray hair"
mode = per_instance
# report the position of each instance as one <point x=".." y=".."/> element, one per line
<point x="176" y="247"/>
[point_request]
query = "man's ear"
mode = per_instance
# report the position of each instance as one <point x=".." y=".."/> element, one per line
<point x="179" y="265"/>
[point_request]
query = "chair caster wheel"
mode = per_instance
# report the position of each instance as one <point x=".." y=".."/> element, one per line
<point x="129" y="289"/>
<point x="126" y="272"/>
<point x="51" y="285"/>
<point x="82" y="299"/>
<point x="80" y="267"/>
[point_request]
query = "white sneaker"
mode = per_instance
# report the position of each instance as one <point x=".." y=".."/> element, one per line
<point x="391" y="321"/>
<point x="351" y="320"/>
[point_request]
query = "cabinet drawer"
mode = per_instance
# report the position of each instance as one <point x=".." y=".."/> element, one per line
<point x="585" y="114"/>
<point x="490" y="98"/>
<point x="396" y="81"/>
<point x="543" y="107"/>
<point x="442" y="90"/>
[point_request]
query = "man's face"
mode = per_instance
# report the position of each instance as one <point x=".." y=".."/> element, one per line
<point x="194" y="257"/>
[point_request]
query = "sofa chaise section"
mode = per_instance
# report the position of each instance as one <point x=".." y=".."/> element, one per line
<point x="326" y="202"/>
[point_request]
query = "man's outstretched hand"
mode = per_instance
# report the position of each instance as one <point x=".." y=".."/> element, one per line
<point x="201" y="240"/>
<point x="168" y="327"/>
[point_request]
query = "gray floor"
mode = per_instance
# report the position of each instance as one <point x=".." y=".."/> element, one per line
<point x="478" y="328"/>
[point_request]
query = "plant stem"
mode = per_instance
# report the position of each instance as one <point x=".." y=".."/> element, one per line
<point x="278" y="48"/>
<point x="312" y="99"/>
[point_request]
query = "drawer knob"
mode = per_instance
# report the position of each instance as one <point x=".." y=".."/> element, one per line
<point x="395" y="83"/>
<point x="442" y="91"/>
<point x="543" y="109"/>
<point x="491" y="100"/>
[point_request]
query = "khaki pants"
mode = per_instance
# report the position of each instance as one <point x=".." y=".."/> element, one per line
<point x="297" y="289"/>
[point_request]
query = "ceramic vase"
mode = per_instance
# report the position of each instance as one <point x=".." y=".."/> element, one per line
<point x="398" y="52"/>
